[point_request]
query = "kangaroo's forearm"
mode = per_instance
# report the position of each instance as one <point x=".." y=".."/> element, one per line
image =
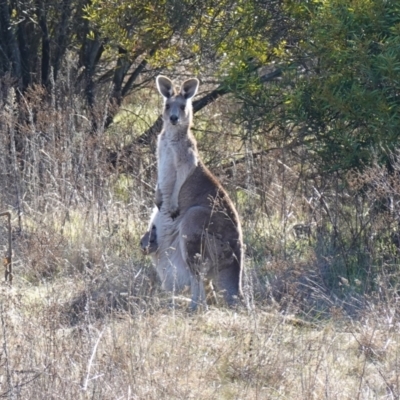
<point x="182" y="174"/>
<point x="158" y="197"/>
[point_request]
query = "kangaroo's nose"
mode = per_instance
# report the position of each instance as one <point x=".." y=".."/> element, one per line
<point x="173" y="119"/>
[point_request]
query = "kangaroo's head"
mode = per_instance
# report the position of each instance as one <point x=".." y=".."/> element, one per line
<point x="178" y="104"/>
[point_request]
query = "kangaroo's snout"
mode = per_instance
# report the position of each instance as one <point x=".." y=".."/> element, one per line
<point x="173" y="119"/>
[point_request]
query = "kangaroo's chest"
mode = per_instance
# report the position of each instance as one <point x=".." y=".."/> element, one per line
<point x="166" y="167"/>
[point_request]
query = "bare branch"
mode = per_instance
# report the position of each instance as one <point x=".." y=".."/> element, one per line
<point x="148" y="136"/>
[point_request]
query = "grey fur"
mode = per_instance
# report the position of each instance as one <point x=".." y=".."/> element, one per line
<point x="194" y="232"/>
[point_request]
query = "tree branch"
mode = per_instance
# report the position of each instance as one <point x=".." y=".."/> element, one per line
<point x="148" y="137"/>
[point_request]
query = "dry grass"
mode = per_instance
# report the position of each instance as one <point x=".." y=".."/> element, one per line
<point x="168" y="353"/>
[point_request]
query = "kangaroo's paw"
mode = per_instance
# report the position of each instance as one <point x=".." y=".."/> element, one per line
<point x="174" y="212"/>
<point x="158" y="198"/>
<point x="159" y="204"/>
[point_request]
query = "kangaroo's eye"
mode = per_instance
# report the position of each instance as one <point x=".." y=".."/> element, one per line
<point x="167" y="106"/>
<point x="183" y="107"/>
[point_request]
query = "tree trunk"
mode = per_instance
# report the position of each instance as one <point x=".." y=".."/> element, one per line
<point x="62" y="38"/>
<point x="45" y="62"/>
<point x="9" y="42"/>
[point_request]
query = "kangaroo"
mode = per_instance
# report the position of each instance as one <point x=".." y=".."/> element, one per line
<point x="194" y="231"/>
<point x="176" y="149"/>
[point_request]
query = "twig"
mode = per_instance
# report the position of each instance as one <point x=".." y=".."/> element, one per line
<point x="8" y="259"/>
<point x="84" y="386"/>
<point x="5" y="348"/>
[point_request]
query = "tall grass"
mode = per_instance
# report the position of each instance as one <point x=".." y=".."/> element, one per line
<point x="86" y="318"/>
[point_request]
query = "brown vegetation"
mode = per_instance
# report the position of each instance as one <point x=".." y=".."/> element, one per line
<point x="86" y="318"/>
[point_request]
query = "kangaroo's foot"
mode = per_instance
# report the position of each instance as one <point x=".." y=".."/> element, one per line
<point x="198" y="294"/>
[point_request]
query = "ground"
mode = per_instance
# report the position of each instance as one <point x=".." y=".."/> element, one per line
<point x="159" y="351"/>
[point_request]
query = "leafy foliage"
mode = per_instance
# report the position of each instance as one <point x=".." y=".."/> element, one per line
<point x="223" y="32"/>
<point x="339" y="93"/>
<point x="348" y="99"/>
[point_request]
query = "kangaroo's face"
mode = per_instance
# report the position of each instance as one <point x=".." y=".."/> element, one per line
<point x="178" y="105"/>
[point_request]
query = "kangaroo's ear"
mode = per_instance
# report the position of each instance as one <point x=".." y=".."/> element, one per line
<point x="164" y="86"/>
<point x="189" y="88"/>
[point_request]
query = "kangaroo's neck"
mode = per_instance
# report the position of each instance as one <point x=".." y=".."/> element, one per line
<point x="178" y="132"/>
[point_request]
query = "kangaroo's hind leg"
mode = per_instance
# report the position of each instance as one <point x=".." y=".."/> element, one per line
<point x="226" y="267"/>
<point x="192" y="233"/>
